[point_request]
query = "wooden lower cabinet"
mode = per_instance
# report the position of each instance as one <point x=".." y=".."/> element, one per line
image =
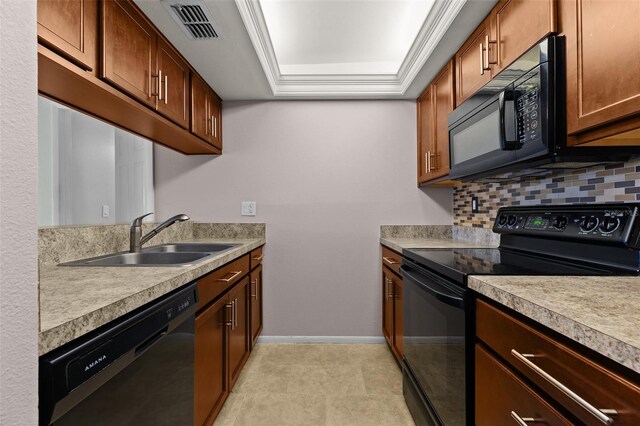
<point x="505" y="397"/>
<point x="255" y="303"/>
<point x="211" y="385"/>
<point x="528" y="351"/>
<point x="239" y="331"/>
<point x="392" y="289"/>
<point x="228" y="322"/>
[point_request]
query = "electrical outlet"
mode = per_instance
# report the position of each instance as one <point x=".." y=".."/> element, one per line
<point x="248" y="208"/>
<point x="474" y="204"/>
<point x="105" y="211"/>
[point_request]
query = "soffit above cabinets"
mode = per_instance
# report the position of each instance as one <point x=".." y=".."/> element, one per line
<point x="238" y="70"/>
<point x="345" y="48"/>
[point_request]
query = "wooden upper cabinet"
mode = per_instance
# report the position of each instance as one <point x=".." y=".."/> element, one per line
<point x="519" y="25"/>
<point x="199" y="107"/>
<point x="173" y="73"/>
<point x="129" y="51"/>
<point x="443" y="104"/>
<point x="434" y="106"/>
<point x="425" y="134"/>
<point x="70" y="28"/>
<point x="206" y="112"/>
<point x="473" y="61"/>
<point x="603" y="61"/>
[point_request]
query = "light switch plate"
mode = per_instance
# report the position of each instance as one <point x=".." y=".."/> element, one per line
<point x="105" y="211"/>
<point x="248" y="208"/>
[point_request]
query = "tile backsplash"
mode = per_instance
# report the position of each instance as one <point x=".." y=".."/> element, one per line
<point x="611" y="183"/>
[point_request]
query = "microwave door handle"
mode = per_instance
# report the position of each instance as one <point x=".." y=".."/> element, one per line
<point x="451" y="299"/>
<point x="507" y="110"/>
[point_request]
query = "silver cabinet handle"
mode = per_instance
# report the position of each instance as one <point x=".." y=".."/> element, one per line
<point x="488" y="42"/>
<point x="597" y="413"/>
<point x="428" y="161"/>
<point x="231" y="278"/>
<point x="481" y="59"/>
<point x="233" y="315"/>
<point x="390" y="260"/>
<point x="254" y="282"/>
<point x="522" y="421"/>
<point x="213" y="126"/>
<point x="235" y="303"/>
<point x="159" y="85"/>
<point x="226" y="315"/>
<point x="166" y="90"/>
<point x="389" y="291"/>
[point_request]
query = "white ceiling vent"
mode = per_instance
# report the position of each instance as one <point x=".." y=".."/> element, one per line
<point x="193" y="17"/>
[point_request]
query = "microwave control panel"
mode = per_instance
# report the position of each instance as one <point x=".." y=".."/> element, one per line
<point x="528" y="111"/>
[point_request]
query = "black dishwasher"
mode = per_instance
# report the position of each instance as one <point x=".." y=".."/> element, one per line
<point x="136" y="370"/>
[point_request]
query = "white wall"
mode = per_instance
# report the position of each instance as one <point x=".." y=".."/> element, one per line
<point x="325" y="175"/>
<point x="18" y="214"/>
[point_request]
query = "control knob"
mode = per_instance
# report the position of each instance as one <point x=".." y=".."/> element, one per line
<point x="502" y="220"/>
<point x="609" y="224"/>
<point x="512" y="220"/>
<point x="589" y="223"/>
<point x="560" y="222"/>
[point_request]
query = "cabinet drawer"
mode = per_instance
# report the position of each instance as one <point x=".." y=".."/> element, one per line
<point x="500" y="393"/>
<point x="391" y="259"/>
<point x="212" y="285"/>
<point x="551" y="365"/>
<point x="255" y="257"/>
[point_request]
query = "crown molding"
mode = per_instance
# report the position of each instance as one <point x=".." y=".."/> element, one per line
<point x="440" y="17"/>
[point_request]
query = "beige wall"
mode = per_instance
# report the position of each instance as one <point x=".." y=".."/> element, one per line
<point x="18" y="214"/>
<point x="325" y="176"/>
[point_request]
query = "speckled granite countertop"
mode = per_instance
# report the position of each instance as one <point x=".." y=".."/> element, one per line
<point x="76" y="300"/>
<point x="601" y="313"/>
<point x="398" y="244"/>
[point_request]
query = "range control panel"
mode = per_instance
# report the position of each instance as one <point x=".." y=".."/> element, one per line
<point x="598" y="222"/>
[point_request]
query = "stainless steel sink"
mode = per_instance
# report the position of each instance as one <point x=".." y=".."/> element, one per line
<point x="190" y="248"/>
<point x="141" y="259"/>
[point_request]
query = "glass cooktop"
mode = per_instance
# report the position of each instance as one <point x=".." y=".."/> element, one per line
<point x="460" y="262"/>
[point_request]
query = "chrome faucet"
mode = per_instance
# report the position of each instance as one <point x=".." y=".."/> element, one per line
<point x="136" y="238"/>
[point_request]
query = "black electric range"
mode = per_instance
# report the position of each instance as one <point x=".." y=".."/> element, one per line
<point x="439" y="309"/>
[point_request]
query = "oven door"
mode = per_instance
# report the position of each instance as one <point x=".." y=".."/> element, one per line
<point x="435" y="347"/>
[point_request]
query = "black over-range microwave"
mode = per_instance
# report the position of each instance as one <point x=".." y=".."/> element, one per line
<point x="515" y="125"/>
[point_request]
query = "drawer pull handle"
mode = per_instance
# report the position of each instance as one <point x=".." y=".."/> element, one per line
<point x="598" y="414"/>
<point x="258" y="258"/>
<point x="231" y="278"/>
<point x="522" y="421"/>
<point x="390" y="260"/>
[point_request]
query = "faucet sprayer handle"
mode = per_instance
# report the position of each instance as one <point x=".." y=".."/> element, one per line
<point x="138" y="220"/>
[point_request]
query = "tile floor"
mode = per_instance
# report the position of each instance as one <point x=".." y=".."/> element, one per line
<point x="314" y="384"/>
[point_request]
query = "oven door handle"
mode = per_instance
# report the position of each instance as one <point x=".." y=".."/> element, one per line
<point x="441" y="293"/>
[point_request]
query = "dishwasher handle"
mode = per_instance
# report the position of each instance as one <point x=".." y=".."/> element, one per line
<point x="433" y="287"/>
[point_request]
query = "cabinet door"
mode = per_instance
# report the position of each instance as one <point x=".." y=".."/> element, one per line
<point x="70" y="27"/>
<point x="255" y="301"/>
<point x="473" y="68"/>
<point x="200" y="108"/>
<point x="398" y="320"/>
<point x="210" y="374"/>
<point x="443" y="103"/>
<point x="520" y="24"/>
<point x="603" y="61"/>
<point x="387" y="305"/>
<point x="129" y="51"/>
<point x="240" y="331"/>
<point x="499" y="393"/>
<point x="215" y="117"/>
<point x="426" y="146"/>
<point x="174" y="73"/>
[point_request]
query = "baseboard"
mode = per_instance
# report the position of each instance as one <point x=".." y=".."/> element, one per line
<point x="321" y="339"/>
